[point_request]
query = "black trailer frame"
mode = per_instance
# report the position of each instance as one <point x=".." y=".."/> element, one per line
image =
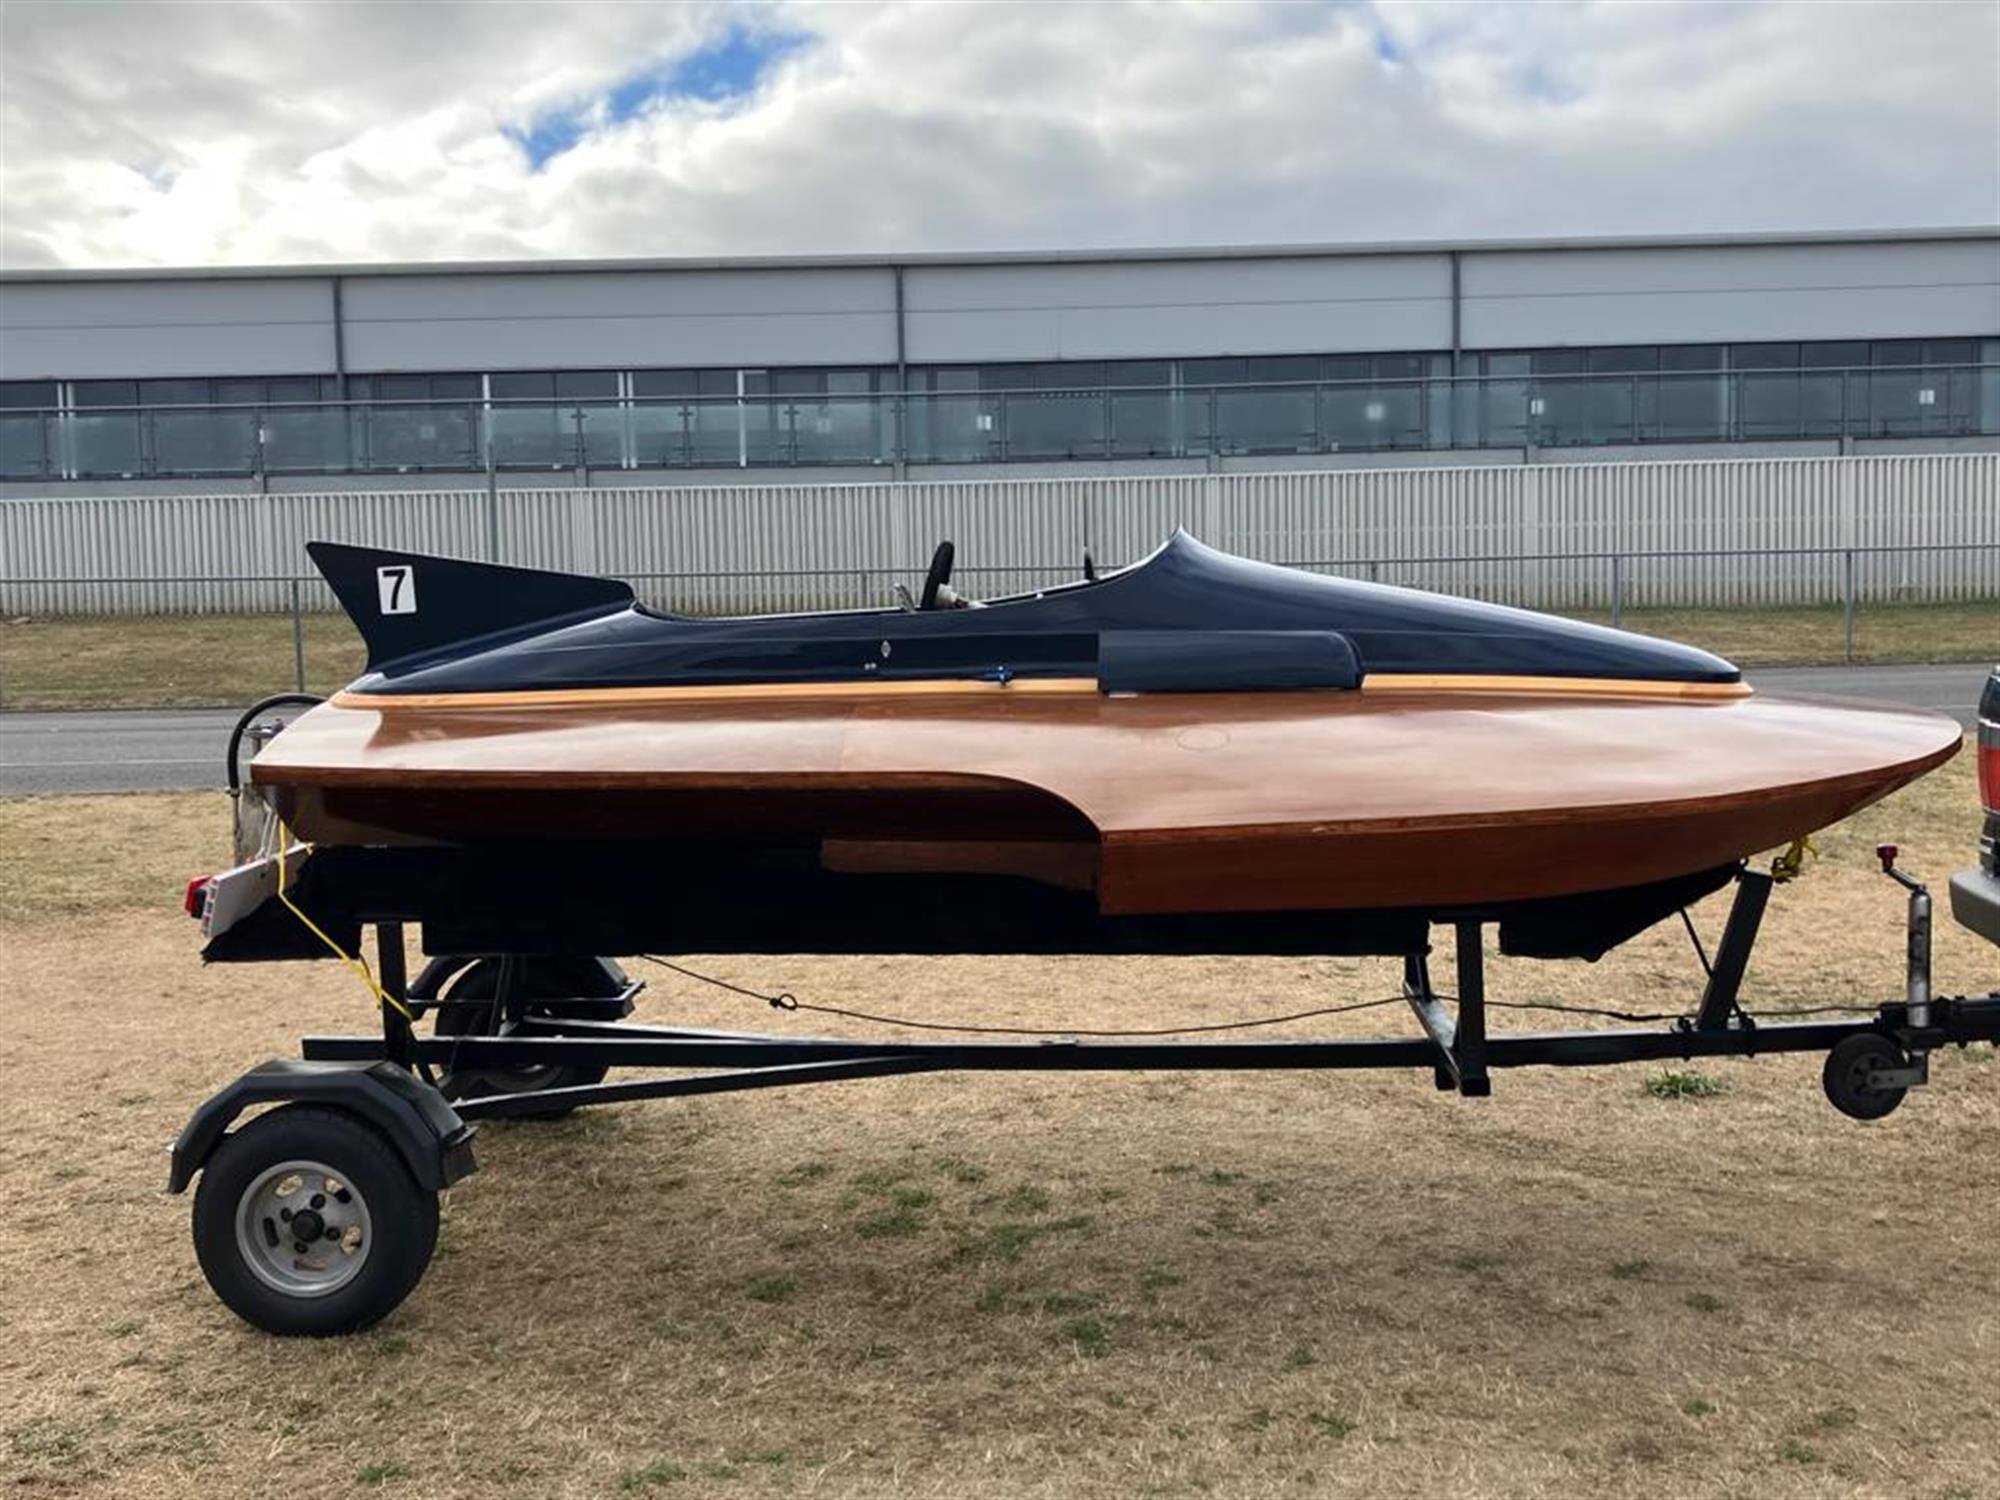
<point x="1455" y="1043"/>
<point x="420" y="1084"/>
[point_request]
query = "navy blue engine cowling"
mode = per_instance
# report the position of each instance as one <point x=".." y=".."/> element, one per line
<point x="1241" y="626"/>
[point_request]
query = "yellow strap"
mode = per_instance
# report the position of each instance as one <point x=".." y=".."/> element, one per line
<point x="354" y="962"/>
<point x="1791" y="864"/>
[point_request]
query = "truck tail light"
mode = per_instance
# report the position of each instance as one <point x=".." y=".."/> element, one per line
<point x="1989" y="744"/>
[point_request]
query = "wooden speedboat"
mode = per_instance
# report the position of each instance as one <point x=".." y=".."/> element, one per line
<point x="1195" y="735"/>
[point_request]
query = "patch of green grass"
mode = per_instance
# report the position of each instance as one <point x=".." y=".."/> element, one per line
<point x="1802" y="634"/>
<point x="660" y="1471"/>
<point x="879" y="1180"/>
<point x="169" y="661"/>
<point x="375" y="1475"/>
<point x="1792" y="1451"/>
<point x="1694" y="1406"/>
<point x="47" y="1439"/>
<point x="1008" y="1240"/>
<point x="1330" y="1424"/>
<point x="1706" y="1302"/>
<point x="1025" y="1199"/>
<point x="1630" y="1270"/>
<point x="1683" y="1083"/>
<point x="1482" y="1263"/>
<point x="1258" y="1418"/>
<point x="1835" y="1417"/>
<point x="1301" y="1357"/>
<point x="1088" y="1337"/>
<point x="127" y="1328"/>
<point x="958" y="1169"/>
<point x="896" y="1222"/>
<point x="772" y="1289"/>
<point x="1069" y="1302"/>
<point x="803" y="1173"/>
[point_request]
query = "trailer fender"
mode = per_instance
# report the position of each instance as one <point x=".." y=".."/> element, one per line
<point x="412" y="1116"/>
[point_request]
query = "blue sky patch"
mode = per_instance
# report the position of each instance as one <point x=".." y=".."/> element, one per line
<point x="728" y="68"/>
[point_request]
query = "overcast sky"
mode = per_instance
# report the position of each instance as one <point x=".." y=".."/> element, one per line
<point x="284" y="130"/>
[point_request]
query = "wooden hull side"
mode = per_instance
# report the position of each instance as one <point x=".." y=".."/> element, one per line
<point x="1161" y="804"/>
<point x="1472" y="863"/>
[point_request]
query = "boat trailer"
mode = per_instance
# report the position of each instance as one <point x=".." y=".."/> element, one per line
<point x="320" y="1216"/>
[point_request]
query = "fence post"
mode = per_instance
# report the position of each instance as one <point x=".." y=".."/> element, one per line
<point x="492" y="491"/>
<point x="298" y="641"/>
<point x="1847" y="603"/>
<point x="1617" y="589"/>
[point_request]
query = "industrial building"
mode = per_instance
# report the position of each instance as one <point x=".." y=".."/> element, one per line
<point x="824" y="368"/>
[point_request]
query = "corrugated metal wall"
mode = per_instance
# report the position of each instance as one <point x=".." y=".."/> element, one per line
<point x="1523" y="534"/>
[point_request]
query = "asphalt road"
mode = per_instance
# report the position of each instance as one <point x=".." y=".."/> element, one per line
<point x="133" y="750"/>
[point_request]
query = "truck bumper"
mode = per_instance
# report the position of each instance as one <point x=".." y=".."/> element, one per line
<point x="1975" y="902"/>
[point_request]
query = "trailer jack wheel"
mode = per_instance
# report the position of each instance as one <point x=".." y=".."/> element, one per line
<point x="1852" y="1074"/>
<point x="308" y="1222"/>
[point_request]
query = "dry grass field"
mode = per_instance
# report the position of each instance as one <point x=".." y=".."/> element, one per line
<point x="1056" y="1286"/>
<point x="181" y="661"/>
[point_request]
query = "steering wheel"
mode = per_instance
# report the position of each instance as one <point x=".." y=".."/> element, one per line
<point x="938" y="576"/>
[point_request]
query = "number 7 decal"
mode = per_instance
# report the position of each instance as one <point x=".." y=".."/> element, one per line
<point x="396" y="589"/>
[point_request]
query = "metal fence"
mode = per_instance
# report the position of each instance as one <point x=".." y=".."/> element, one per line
<point x="999" y="426"/>
<point x="1732" y="533"/>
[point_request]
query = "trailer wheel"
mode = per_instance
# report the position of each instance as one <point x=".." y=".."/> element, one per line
<point x="307" y="1222"/>
<point x="471" y="1009"/>
<point x="1846" y="1075"/>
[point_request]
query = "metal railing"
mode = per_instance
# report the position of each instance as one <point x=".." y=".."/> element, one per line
<point x="890" y="428"/>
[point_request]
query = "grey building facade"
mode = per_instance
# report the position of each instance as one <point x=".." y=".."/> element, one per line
<point x="927" y="366"/>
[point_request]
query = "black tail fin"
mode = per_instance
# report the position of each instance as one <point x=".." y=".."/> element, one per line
<point x="406" y="604"/>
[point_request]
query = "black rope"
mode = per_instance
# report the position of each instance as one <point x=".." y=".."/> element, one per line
<point x="1814" y="1010"/>
<point x="786" y="1000"/>
<point x="1585" y="1010"/>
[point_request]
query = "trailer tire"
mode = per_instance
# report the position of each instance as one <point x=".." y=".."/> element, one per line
<point x="373" y="1226"/>
<point x="1845" y="1076"/>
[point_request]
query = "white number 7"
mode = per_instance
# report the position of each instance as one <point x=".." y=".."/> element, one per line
<point x="396" y="589"/>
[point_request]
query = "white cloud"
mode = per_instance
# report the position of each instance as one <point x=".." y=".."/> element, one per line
<point x="269" y="131"/>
